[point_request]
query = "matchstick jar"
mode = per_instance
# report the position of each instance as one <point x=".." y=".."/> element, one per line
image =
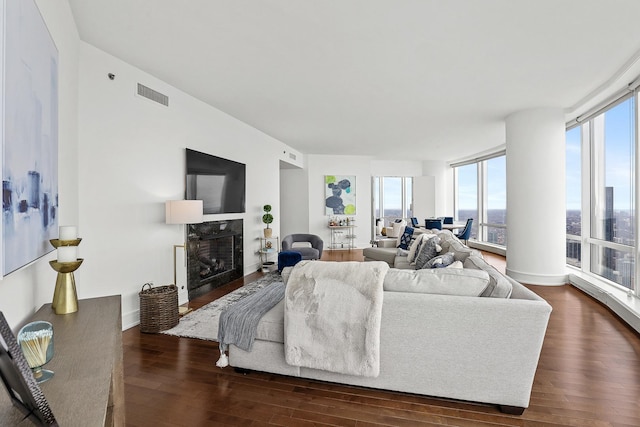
<point x="36" y="341"/>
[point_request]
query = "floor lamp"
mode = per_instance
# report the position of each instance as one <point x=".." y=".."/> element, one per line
<point x="183" y="212"/>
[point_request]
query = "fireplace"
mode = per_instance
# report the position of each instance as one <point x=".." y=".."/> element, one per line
<point x="214" y="255"/>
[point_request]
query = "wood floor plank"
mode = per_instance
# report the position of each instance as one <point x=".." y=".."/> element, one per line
<point x="588" y="375"/>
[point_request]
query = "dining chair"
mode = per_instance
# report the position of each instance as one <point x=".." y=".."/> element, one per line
<point x="466" y="231"/>
<point x="431" y="223"/>
<point x="447" y="220"/>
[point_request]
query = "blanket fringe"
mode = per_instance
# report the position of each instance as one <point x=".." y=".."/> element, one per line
<point x="223" y="362"/>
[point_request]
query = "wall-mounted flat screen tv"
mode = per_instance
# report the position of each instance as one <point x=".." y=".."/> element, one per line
<point x="218" y="182"/>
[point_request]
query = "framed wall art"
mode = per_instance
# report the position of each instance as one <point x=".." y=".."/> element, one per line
<point x="340" y="194"/>
<point x="29" y="136"/>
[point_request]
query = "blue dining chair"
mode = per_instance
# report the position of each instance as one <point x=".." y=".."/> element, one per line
<point x="431" y="223"/>
<point x="447" y="220"/>
<point x="466" y="231"/>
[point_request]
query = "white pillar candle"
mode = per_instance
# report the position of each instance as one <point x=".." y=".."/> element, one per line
<point x="67" y="253"/>
<point x="67" y="232"/>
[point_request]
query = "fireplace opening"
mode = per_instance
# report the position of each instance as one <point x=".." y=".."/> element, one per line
<point x="214" y="255"/>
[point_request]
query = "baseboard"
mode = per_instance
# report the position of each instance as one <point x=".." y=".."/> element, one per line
<point x="537" y="279"/>
<point x="623" y="304"/>
<point x="131" y="319"/>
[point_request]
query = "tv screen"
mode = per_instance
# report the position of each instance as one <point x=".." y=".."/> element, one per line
<point x="218" y="182"/>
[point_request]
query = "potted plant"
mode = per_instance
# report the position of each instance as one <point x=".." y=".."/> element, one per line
<point x="267" y="218"/>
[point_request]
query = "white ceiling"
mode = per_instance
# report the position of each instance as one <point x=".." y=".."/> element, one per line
<point x="396" y="79"/>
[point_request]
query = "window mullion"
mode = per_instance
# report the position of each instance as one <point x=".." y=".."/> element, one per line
<point x="637" y="198"/>
<point x="587" y="183"/>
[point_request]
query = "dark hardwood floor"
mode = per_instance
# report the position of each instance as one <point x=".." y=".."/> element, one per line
<point x="588" y="375"/>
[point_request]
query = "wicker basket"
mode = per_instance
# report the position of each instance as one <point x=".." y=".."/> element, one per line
<point x="158" y="308"/>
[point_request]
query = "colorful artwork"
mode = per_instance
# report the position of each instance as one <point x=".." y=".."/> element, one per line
<point x="30" y="137"/>
<point x="340" y="195"/>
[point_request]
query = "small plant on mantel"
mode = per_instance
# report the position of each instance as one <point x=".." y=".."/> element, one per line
<point x="267" y="218"/>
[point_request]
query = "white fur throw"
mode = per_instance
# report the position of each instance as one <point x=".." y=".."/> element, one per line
<point x="332" y="316"/>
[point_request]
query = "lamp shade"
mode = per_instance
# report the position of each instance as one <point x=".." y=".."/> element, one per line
<point x="184" y="211"/>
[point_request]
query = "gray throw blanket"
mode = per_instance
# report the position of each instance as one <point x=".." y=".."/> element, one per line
<point x="239" y="322"/>
<point x="332" y="316"/>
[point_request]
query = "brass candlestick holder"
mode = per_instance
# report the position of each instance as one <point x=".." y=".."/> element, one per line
<point x="65" y="297"/>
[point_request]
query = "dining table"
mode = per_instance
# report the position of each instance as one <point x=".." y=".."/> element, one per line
<point x="456" y="225"/>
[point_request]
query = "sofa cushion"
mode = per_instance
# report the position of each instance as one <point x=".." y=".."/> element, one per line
<point x="450" y="243"/>
<point x="405" y="238"/>
<point x="387" y="255"/>
<point x="499" y="285"/>
<point x="429" y="249"/>
<point x="456" y="264"/>
<point x="387" y="242"/>
<point x="271" y="326"/>
<point x="442" y="281"/>
<point x="402" y="262"/>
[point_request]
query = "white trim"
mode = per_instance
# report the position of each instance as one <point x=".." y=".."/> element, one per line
<point x="537" y="279"/>
<point x="502" y="151"/>
<point x="487" y="247"/>
<point x="622" y="303"/>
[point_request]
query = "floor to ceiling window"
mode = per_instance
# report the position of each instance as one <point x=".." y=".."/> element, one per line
<point x="495" y="228"/>
<point x="606" y="142"/>
<point x="466" y="179"/>
<point x="392" y="198"/>
<point x="574" y="195"/>
<point x="481" y="194"/>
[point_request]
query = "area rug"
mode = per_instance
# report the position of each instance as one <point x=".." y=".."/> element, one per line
<point x="203" y="322"/>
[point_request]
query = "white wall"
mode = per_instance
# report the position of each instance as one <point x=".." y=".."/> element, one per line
<point x="443" y="176"/>
<point x="25" y="290"/>
<point x="132" y="160"/>
<point x="424" y="198"/>
<point x="396" y="168"/>
<point x="294" y="201"/>
<point x="320" y="165"/>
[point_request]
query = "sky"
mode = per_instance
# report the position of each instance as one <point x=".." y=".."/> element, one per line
<point x="496" y="185"/>
<point x="618" y="157"/>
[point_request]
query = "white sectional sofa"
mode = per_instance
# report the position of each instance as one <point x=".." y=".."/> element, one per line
<point x="439" y="336"/>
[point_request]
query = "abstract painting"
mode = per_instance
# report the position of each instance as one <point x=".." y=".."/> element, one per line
<point x="30" y="136"/>
<point x="340" y="195"/>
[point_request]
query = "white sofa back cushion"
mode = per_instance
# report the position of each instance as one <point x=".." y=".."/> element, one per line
<point x="499" y="286"/>
<point x="440" y="281"/>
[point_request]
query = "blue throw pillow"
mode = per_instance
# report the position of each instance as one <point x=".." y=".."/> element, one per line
<point x="405" y="239"/>
<point x="441" y="261"/>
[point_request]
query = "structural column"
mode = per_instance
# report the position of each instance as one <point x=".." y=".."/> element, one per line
<point x="536" y="205"/>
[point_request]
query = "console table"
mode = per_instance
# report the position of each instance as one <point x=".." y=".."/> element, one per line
<point x="87" y="388"/>
<point x="336" y="232"/>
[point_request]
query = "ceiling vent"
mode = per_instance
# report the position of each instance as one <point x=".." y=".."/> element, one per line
<point x="153" y="95"/>
<point x="292" y="156"/>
